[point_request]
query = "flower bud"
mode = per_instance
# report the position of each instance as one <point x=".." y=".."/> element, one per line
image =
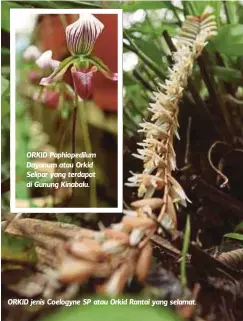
<point x="82" y="34"/>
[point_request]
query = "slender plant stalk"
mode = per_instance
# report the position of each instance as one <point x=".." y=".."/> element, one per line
<point x="74" y="140"/>
<point x="88" y="149"/>
<point x="185" y="248"/>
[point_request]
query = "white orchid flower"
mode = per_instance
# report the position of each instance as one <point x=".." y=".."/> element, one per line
<point x="31" y="53"/>
<point x="45" y="61"/>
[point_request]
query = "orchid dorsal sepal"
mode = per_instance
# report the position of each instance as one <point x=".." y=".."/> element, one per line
<point x="82" y="34"/>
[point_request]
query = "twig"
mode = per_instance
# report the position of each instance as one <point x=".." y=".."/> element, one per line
<point x="188" y="133"/>
<point x="143" y="81"/>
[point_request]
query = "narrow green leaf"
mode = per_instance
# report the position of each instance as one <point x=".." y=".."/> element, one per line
<point x="186" y="241"/>
<point x="131" y="6"/>
<point x="63" y="4"/>
<point x="5" y="14"/>
<point x="231" y="11"/>
<point x="227" y="74"/>
<point x="235" y="236"/>
<point x="200" y="6"/>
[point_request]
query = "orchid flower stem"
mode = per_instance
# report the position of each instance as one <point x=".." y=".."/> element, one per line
<point x="88" y="149"/>
<point x="186" y="241"/>
<point x="74" y="140"/>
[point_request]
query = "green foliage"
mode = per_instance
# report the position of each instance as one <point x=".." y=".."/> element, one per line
<point x="18" y="249"/>
<point x="136" y="5"/>
<point x="197" y="7"/>
<point x="227" y="74"/>
<point x="231" y="11"/>
<point x="5" y="96"/>
<point x="4" y="86"/>
<point x="5" y="14"/>
<point x="235" y="236"/>
<point x="229" y="40"/>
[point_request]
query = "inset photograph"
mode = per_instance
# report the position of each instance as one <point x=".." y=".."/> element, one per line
<point x="66" y="110"/>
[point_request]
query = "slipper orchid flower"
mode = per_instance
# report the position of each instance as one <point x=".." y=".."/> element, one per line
<point x="81" y="37"/>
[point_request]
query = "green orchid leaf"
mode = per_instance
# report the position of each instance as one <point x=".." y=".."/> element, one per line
<point x="227" y="74"/>
<point x="102" y="68"/>
<point x="5" y="14"/>
<point x="59" y="71"/>
<point x="235" y="236"/>
<point x="231" y="9"/>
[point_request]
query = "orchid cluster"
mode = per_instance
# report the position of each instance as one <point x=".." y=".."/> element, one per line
<point x="157" y="152"/>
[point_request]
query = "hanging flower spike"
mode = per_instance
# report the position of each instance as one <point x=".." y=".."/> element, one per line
<point x="82" y="80"/>
<point x="82" y="34"/>
<point x="45" y="61"/>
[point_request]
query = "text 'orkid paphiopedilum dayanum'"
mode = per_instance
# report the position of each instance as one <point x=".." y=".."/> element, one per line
<point x="81" y="37"/>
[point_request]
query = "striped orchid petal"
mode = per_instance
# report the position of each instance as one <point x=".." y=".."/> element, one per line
<point x="82" y="34"/>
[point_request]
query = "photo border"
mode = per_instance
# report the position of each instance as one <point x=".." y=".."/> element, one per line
<point x="15" y="15"/>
